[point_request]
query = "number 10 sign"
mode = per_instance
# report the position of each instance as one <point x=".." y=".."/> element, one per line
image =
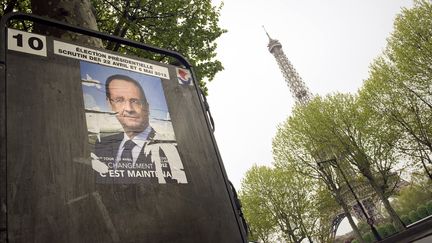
<point x="27" y="42"/>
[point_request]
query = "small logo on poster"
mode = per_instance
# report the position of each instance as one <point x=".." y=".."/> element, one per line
<point x="184" y="76"/>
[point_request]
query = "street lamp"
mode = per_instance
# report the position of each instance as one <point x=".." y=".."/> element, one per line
<point x="368" y="220"/>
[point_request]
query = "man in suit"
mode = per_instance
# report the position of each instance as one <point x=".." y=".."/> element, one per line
<point x="135" y="155"/>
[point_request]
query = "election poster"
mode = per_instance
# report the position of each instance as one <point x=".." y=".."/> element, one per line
<point x="129" y="127"/>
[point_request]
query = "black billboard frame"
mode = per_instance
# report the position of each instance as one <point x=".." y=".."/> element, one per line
<point x="5" y="20"/>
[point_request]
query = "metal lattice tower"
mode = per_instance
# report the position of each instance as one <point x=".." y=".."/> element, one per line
<point x="298" y="88"/>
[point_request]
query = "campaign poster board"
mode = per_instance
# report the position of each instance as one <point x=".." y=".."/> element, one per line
<point x="71" y="177"/>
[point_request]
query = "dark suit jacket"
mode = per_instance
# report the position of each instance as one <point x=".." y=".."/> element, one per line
<point x="144" y="170"/>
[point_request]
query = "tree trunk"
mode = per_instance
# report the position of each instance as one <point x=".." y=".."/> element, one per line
<point x="10" y="6"/>
<point x="339" y="199"/>
<point x="392" y="213"/>
<point x="305" y="232"/>
<point x="425" y="168"/>
<point x="78" y="13"/>
<point x="347" y="212"/>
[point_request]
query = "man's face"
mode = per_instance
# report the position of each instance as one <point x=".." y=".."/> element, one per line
<point x="127" y="101"/>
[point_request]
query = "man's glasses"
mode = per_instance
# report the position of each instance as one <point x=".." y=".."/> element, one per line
<point x="121" y="101"/>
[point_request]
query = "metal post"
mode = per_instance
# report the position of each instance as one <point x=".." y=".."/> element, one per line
<point x="368" y="220"/>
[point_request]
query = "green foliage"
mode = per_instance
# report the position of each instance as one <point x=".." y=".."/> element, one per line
<point x="429" y="207"/>
<point x="422" y="211"/>
<point x="410" y="46"/>
<point x="258" y="215"/>
<point x="325" y="207"/>
<point x="363" y="227"/>
<point x="338" y="126"/>
<point x="21" y="6"/>
<point x="414" y="216"/>
<point x="10" y="6"/>
<point x="390" y="229"/>
<point x="278" y="200"/>
<point x="368" y="237"/>
<point x="187" y="26"/>
<point x="418" y="192"/>
<point x="386" y="230"/>
<point x="406" y="219"/>
<point x="382" y="231"/>
<point x="399" y="89"/>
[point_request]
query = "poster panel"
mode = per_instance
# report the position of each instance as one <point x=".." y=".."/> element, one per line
<point x="104" y="147"/>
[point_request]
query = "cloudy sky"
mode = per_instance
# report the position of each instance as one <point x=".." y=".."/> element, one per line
<point x="331" y="44"/>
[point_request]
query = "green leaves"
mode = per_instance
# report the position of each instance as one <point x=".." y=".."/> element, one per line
<point x="188" y="27"/>
<point x="278" y="200"/>
<point x="399" y="88"/>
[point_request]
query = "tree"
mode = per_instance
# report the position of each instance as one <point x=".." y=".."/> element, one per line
<point x="375" y="132"/>
<point x="399" y="87"/>
<point x="298" y="144"/>
<point x="417" y="193"/>
<point x="327" y="208"/>
<point x="261" y="225"/>
<point x="409" y="49"/>
<point x="338" y="127"/>
<point x="278" y="199"/>
<point x="9" y="6"/>
<point x="188" y="27"/>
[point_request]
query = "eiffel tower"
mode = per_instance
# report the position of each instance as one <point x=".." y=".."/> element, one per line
<point x="298" y="88"/>
<point x="302" y="96"/>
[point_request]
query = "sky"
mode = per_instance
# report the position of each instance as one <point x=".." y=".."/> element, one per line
<point x="330" y="43"/>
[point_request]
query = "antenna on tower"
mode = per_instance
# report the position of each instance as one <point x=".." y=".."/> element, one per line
<point x="266" y="32"/>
